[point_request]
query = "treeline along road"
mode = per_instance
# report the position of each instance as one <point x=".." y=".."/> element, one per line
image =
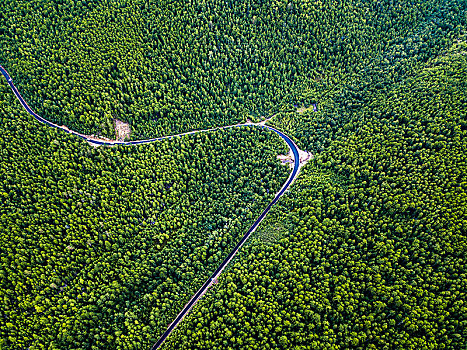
<point x="296" y="157"/>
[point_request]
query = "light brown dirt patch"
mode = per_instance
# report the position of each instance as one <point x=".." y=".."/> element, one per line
<point x="122" y="130"/>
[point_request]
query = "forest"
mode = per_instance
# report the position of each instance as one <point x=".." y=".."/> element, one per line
<point x="372" y="251"/>
<point x="171" y="66"/>
<point x="102" y="246"/>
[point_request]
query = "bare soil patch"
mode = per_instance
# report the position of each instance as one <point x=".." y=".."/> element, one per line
<point x="313" y="107"/>
<point x="286" y="159"/>
<point x="122" y="130"/>
<point x="302" y="110"/>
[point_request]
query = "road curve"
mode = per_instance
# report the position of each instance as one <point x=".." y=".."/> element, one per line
<point x="229" y="257"/>
<point x="213" y="277"/>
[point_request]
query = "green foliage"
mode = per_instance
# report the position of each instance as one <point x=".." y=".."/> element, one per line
<point x="172" y="66"/>
<point x="101" y="247"/>
<point x="376" y="254"/>
<point x="271" y="233"/>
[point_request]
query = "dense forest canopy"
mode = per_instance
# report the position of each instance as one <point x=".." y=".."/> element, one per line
<point x="369" y="249"/>
<point x="172" y="66"/>
<point x="102" y="247"/>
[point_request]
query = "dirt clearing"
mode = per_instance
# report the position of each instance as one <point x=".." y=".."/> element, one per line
<point x="122" y="130"/>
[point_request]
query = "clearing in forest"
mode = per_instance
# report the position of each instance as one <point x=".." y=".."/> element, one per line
<point x="122" y="130"/>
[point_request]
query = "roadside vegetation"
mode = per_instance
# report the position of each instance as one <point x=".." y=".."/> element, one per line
<point x="167" y="67"/>
<point x="102" y="247"/>
<point x="374" y="257"/>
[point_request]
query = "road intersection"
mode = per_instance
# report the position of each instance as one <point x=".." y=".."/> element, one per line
<point x="213" y="278"/>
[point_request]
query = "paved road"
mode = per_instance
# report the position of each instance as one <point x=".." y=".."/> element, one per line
<point x="98" y="141"/>
<point x="226" y="261"/>
<point x="231" y="255"/>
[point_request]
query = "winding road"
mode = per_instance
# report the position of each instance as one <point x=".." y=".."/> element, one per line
<point x="293" y="175"/>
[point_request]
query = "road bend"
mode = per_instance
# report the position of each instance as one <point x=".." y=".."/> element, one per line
<point x="293" y="175"/>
